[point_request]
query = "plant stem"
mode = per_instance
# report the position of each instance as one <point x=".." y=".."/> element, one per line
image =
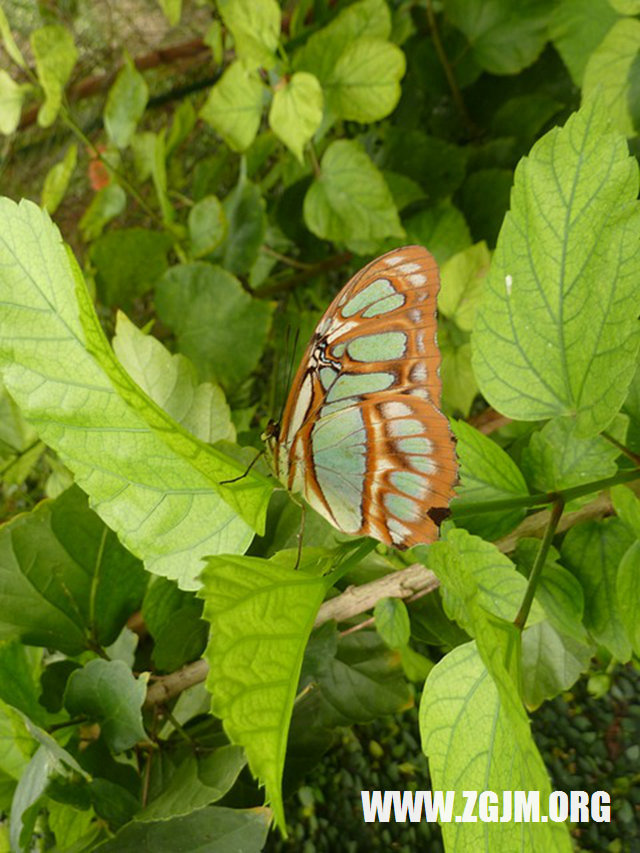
<point x="541" y="556"/>
<point x="448" y="70"/>
<point x="461" y="510"/>
<point x="634" y="457"/>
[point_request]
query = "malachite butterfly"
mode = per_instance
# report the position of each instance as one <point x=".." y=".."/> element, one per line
<point x="362" y="435"/>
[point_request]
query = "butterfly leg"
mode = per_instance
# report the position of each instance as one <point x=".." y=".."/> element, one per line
<point x="303" y="516"/>
<point x="242" y="476"/>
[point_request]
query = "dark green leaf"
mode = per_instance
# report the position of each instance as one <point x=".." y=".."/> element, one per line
<point x="209" y="830"/>
<point x="593" y="551"/>
<point x="73" y="579"/>
<point x="191" y="297"/>
<point x="107" y="693"/>
<point x="128" y="262"/>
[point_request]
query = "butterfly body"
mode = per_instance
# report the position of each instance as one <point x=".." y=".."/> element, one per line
<point x="362" y="436"/>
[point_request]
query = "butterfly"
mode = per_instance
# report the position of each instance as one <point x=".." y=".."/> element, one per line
<point x="362" y="437"/>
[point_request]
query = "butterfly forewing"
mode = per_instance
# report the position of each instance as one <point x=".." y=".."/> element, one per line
<point x="362" y="436"/>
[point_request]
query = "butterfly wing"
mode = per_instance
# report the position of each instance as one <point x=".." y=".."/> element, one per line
<point x="362" y="436"/>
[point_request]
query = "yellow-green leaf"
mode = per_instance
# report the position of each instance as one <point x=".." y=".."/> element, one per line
<point x="296" y="111"/>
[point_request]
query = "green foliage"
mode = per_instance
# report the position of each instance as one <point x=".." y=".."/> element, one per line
<point x="331" y="133"/>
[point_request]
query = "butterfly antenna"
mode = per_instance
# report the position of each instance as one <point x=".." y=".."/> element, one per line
<point x="291" y="358"/>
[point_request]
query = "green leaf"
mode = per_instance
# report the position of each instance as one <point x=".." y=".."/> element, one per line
<point x="128" y="262"/>
<point x="392" y="622"/>
<point x="15" y="744"/>
<point x="196" y="783"/>
<point x="593" y="551"/>
<point x="628" y="594"/>
<point x="9" y="43"/>
<point x="261" y="615"/>
<point x="156" y="485"/>
<point x="441" y="228"/>
<point x="296" y="111"/>
<point x="484" y="197"/>
<point x="609" y="73"/>
<point x="158" y="168"/>
<point x="459" y="386"/>
<point x="108" y="693"/>
<point x="70" y="825"/>
<point x="557" y="333"/>
<point x="207" y="226"/>
<point x="355" y="680"/>
<point x="234" y="106"/>
<point x="213" y="828"/>
<point x="18" y="686"/>
<point x="244" y="209"/>
<point x="125" y="105"/>
<point x="556" y="649"/>
<point x="577" y="27"/>
<point x="437" y="165"/>
<point x="364" y="84"/>
<point x="50" y="764"/>
<point x="55" y="55"/>
<point x="172" y="382"/>
<point x="106" y="204"/>
<point x="476" y="736"/>
<point x="322" y="50"/>
<point x="57" y="180"/>
<point x="193" y="297"/>
<point x="474" y="573"/>
<point x="503" y="38"/>
<point x="487" y="473"/>
<point x="627" y="507"/>
<point x="11" y="97"/>
<point x="172" y="10"/>
<point x="462" y="279"/>
<point x="74" y="581"/>
<point x="557" y="459"/>
<point x="350" y="203"/>
<point x="255" y="26"/>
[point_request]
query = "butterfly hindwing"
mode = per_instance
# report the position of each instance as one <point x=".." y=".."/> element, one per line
<point x="362" y="436"/>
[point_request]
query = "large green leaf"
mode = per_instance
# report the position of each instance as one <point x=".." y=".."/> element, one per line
<point x="65" y="580"/>
<point x="55" y="55"/>
<point x="126" y="103"/>
<point x="217" y="324"/>
<point x="172" y="382"/>
<point x="234" y="106"/>
<point x="244" y="209"/>
<point x="261" y="615"/>
<point x="628" y="594"/>
<point x="152" y="482"/>
<point x="503" y="38"/>
<point x="557" y="331"/>
<point x="349" y="202"/>
<point x="611" y="74"/>
<point x="476" y="736"/>
<point x="474" y="728"/>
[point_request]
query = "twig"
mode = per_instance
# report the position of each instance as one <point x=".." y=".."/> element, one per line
<point x="541" y="556"/>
